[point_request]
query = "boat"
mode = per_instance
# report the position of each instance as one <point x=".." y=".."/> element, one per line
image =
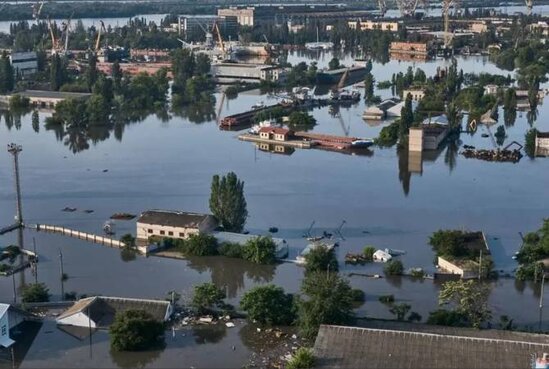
<point x="258" y="105"/>
<point x="344" y="95"/>
<point x="319" y="45"/>
<point x="254" y="130"/>
<point x="123" y="216"/>
<point x="394" y="252"/>
<point x="300" y="259"/>
<point x="315" y="239"/>
<point x="362" y="143"/>
<point x="108" y="227"/>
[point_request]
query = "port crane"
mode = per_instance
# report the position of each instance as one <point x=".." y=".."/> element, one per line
<point x="408" y="7"/>
<point x="37" y="9"/>
<point x="54" y="39"/>
<point x="382" y="5"/>
<point x="101" y="31"/>
<point x="446" y="5"/>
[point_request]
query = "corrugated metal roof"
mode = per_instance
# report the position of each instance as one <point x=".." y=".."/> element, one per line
<point x="355" y="347"/>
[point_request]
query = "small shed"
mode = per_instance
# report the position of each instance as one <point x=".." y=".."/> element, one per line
<point x="382" y="256"/>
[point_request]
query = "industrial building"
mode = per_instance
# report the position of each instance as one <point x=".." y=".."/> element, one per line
<point x="232" y="72"/>
<point x="46" y="99"/>
<point x="24" y="63"/>
<point x="384" y="344"/>
<point x="244" y="16"/>
<point x="173" y="224"/>
<point x="371" y="25"/>
<point x="542" y="144"/>
<point x="194" y="27"/>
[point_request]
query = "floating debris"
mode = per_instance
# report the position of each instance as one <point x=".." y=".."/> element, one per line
<point x="273" y="229"/>
<point x="105" y="170"/>
<point x="356" y="259"/>
<point x="88" y="211"/>
<point x="513" y="156"/>
<point x="68" y="209"/>
<point x="123" y="216"/>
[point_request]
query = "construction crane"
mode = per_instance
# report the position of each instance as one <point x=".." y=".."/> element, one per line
<point x="215" y="28"/>
<point x="446" y="5"/>
<point x="37" y="9"/>
<point x="408" y="7"/>
<point x="65" y="31"/>
<point x="102" y="29"/>
<point x="342" y="80"/>
<point x="54" y="40"/>
<point x="529" y="6"/>
<point x="382" y="5"/>
<point x="345" y="128"/>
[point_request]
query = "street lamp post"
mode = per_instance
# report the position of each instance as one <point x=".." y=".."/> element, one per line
<point x="541" y="298"/>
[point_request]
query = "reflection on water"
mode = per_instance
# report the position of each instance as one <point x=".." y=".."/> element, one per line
<point x="209" y="333"/>
<point x="229" y="273"/>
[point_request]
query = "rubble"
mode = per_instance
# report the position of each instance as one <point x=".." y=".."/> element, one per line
<point x="513" y="156"/>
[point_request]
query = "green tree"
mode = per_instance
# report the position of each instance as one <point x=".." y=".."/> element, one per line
<point x="7" y="77"/>
<point x="406" y="115"/>
<point x="203" y="64"/>
<point x="321" y="258"/>
<point x="207" y="296"/>
<point x="368" y="252"/>
<point x="530" y="142"/>
<point x="469" y="298"/>
<point x="35" y="121"/>
<point x="128" y="239"/>
<point x="302" y="359"/>
<point x="369" y="83"/>
<point x="200" y="245"/>
<point x="334" y="64"/>
<point x="326" y="299"/>
<point x="135" y="330"/>
<point x="227" y="202"/>
<point x="57" y="72"/>
<point x="393" y="267"/>
<point x="91" y="73"/>
<point x="269" y="305"/>
<point x="301" y="119"/>
<point x="116" y="75"/>
<point x="35" y="292"/>
<point x="260" y="250"/>
<point x="400" y="310"/>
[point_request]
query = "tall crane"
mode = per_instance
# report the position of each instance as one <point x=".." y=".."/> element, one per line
<point x="529" y="6"/>
<point x="446" y="5"/>
<point x="408" y="7"/>
<point x="216" y="30"/>
<point x="65" y="31"/>
<point x="54" y="40"/>
<point x="37" y="9"/>
<point x="382" y="5"/>
<point x="102" y="29"/>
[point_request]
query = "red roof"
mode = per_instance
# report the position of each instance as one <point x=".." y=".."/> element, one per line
<point x="275" y="130"/>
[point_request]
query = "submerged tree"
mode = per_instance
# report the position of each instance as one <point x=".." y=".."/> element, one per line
<point x="135" y="330"/>
<point x="469" y="298"/>
<point x="227" y="202"/>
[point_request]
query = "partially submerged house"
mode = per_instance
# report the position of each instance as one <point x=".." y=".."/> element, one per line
<point x="10" y="318"/>
<point x="467" y="267"/>
<point x="99" y="311"/>
<point x="173" y="224"/>
<point x="408" y="345"/>
<point x="542" y="144"/>
<point x="382" y="256"/>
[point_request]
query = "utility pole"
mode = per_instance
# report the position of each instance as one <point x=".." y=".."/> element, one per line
<point x="35" y="263"/>
<point x="62" y="275"/>
<point x="15" y="149"/>
<point x="541" y="298"/>
<point x="480" y="266"/>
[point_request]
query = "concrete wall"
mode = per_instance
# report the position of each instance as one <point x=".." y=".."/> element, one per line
<point x="245" y="17"/>
<point x="415" y="139"/>
<point x="449" y="267"/>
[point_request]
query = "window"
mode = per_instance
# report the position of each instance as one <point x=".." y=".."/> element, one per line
<point x="170" y="233"/>
<point x="181" y="234"/>
<point x="162" y="232"/>
<point x="150" y="230"/>
<point x="4" y="330"/>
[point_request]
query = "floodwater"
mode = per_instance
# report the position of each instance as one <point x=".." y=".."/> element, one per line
<point x="168" y="164"/>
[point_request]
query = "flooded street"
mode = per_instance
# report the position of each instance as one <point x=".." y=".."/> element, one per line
<point x="169" y="163"/>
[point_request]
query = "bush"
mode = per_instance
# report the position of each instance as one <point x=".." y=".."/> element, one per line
<point x="260" y="250"/>
<point x="417" y="273"/>
<point x="206" y="296"/>
<point x="269" y="305"/>
<point x="35" y="292"/>
<point x="368" y="252"/>
<point x="387" y="299"/>
<point x="321" y="258"/>
<point x="128" y="240"/>
<point x="230" y="250"/>
<point x="19" y="102"/>
<point x="199" y="245"/>
<point x="302" y="359"/>
<point x="358" y="295"/>
<point x="301" y="119"/>
<point x="393" y="267"/>
<point x="135" y="330"/>
<point x="388" y="136"/>
<point x="448" y="318"/>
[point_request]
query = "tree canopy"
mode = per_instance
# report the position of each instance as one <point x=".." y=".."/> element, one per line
<point x="35" y="292"/>
<point x="135" y="330"/>
<point x="269" y="305"/>
<point x="321" y="258"/>
<point x="469" y="299"/>
<point x="207" y="296"/>
<point x="227" y="202"/>
<point x="326" y="299"/>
